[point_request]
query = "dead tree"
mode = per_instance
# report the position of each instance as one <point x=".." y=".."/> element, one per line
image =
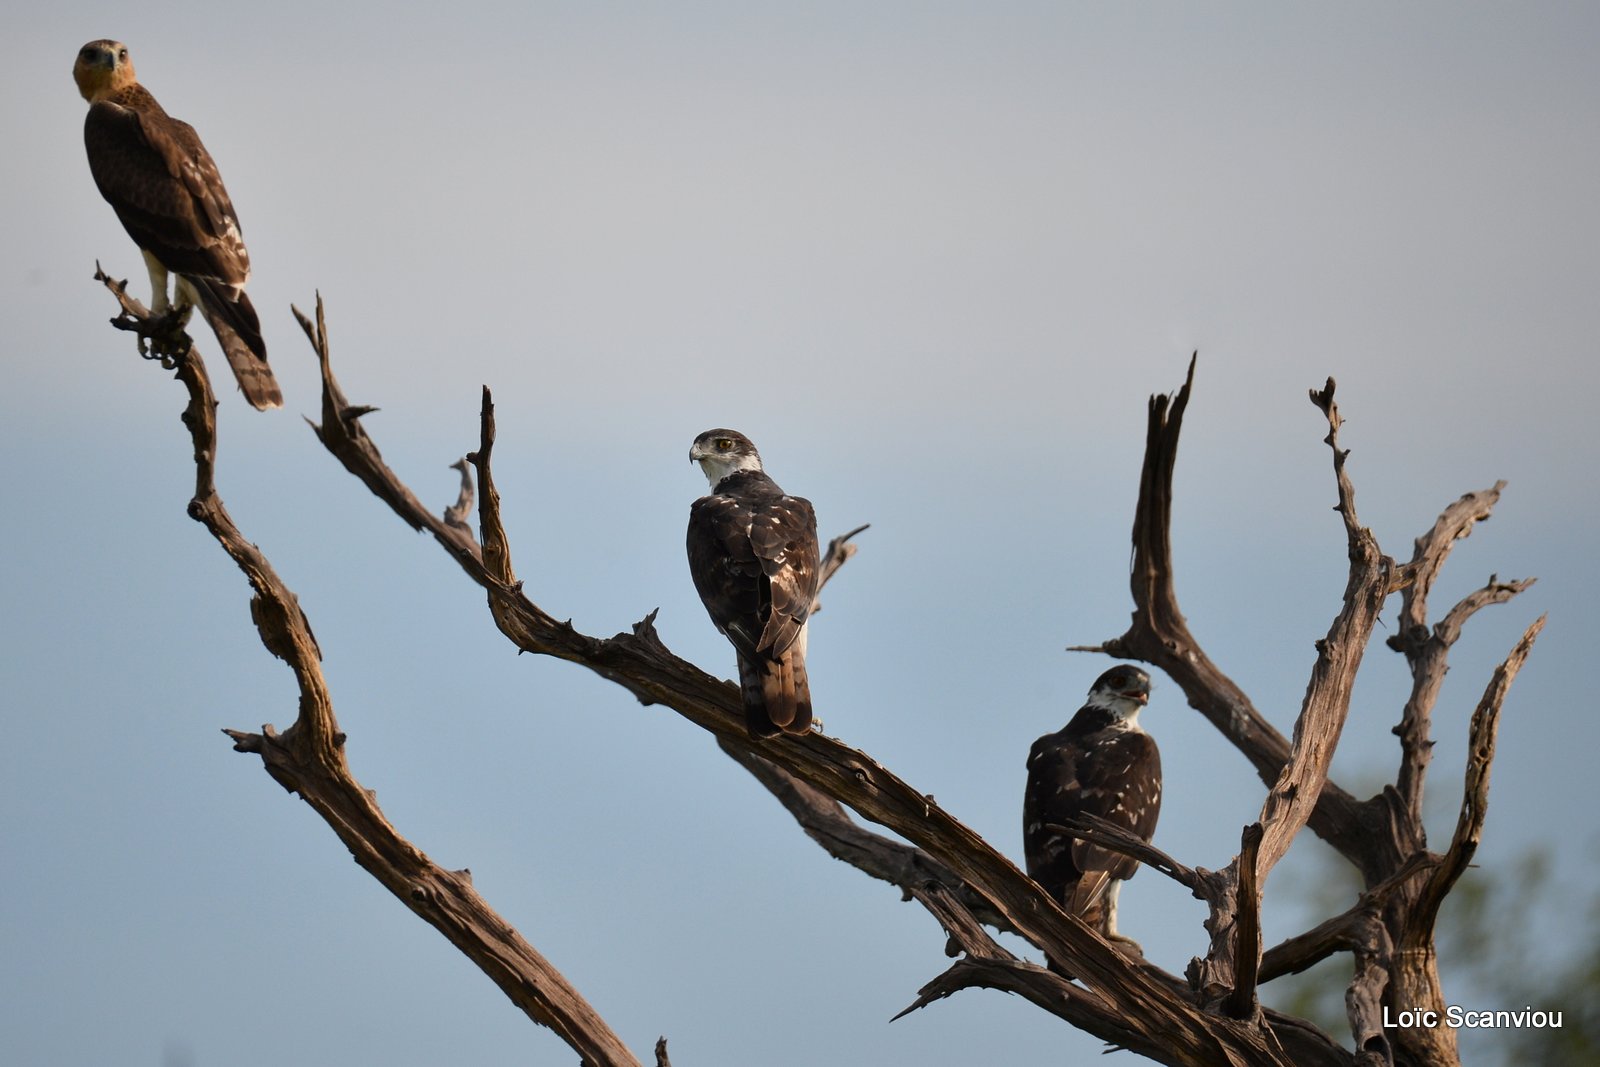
<point x="1210" y="1015"/>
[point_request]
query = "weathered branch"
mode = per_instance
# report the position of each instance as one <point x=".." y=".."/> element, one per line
<point x="826" y="822"/>
<point x="989" y="966"/>
<point x="1227" y="975"/>
<point x="952" y="872"/>
<point x="161" y="337"/>
<point x="1241" y="1001"/>
<point x="1159" y="634"/>
<point x="342" y="434"/>
<point x="836" y="555"/>
<point x="1475" y="792"/>
<point x="1107" y="834"/>
<point x="1139" y="997"/>
<point x="455" y="516"/>
<point x="1373" y="952"/>
<point x="309" y="759"/>
<point x="1327" y="703"/>
<point x="1426" y="650"/>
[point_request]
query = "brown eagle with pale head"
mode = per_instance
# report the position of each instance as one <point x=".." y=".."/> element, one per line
<point x="160" y="180"/>
<point x="753" y="555"/>
<point x="1101" y="763"/>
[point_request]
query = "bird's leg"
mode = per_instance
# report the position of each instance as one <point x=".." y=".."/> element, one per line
<point x="1109" y="928"/>
<point x="186" y="298"/>
<point x="158" y="283"/>
<point x="165" y="330"/>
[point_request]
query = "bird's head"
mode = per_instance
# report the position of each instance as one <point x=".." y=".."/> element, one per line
<point x="1122" y="691"/>
<point x="102" y="68"/>
<point x="721" y="452"/>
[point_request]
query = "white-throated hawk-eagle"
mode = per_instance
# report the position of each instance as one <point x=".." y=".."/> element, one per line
<point x="1102" y="763"/>
<point x="753" y="555"/>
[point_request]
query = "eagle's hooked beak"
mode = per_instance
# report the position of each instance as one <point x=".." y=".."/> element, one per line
<point x="1138" y="696"/>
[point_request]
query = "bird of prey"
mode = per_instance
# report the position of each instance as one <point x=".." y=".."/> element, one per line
<point x="1102" y="763"/>
<point x="160" y="180"/>
<point x="753" y="556"/>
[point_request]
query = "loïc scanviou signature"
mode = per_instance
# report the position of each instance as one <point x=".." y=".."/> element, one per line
<point x="1454" y="1015"/>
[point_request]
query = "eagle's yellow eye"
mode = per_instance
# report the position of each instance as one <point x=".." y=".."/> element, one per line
<point x="724" y="443"/>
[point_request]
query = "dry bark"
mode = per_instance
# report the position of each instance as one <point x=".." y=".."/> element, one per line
<point x="308" y="758"/>
<point x="1211" y="1017"/>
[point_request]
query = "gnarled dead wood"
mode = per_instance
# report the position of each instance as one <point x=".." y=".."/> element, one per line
<point x="1383" y="836"/>
<point x="309" y="759"/>
<point x="1213" y="1018"/>
<point x="1135" y="997"/>
<point x="1159" y="634"/>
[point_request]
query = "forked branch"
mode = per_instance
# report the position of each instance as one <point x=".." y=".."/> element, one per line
<point x="1213" y="1018"/>
<point x="309" y="759"/>
<point x="1125" y="997"/>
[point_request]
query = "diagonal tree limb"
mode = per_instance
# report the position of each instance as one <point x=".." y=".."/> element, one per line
<point x="1108" y="835"/>
<point x="1475" y="792"/>
<point x="989" y="966"/>
<point x="954" y="874"/>
<point x="836" y="555"/>
<point x="1426" y="649"/>
<point x="1227" y="974"/>
<point x="309" y="759"/>
<point x="641" y="664"/>
<point x="1414" y="974"/>
<point x="1294" y="795"/>
<point x="826" y="822"/>
<point x="342" y="434"/>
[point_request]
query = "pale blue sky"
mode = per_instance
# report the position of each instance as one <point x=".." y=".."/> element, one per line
<point x="933" y="259"/>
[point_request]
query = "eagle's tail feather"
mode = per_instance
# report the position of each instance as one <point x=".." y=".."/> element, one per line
<point x="798" y="685"/>
<point x="777" y="696"/>
<point x="755" y="704"/>
<point x="238" y="331"/>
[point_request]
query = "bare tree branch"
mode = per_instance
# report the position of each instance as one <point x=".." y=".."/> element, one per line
<point x="1241" y="1001"/>
<point x="1106" y="834"/>
<point x="1327" y="703"/>
<point x="1373" y="951"/>
<point x="1214" y="1018"/>
<point x="309" y="759"/>
<point x="341" y="433"/>
<point x="1427" y="649"/>
<point x="1228" y="972"/>
<point x="455" y="516"/>
<point x="826" y="822"/>
<point x="1475" y="793"/>
<point x="641" y="664"/>
<point x="1159" y="634"/>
